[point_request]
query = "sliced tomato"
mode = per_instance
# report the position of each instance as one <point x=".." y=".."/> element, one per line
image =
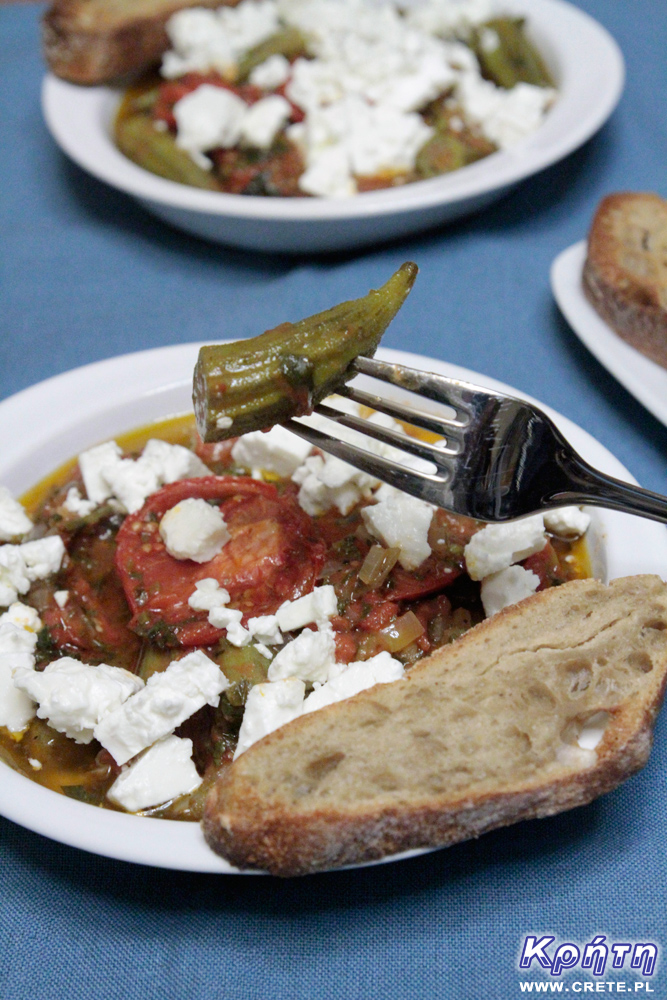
<point x="274" y="554"/>
<point x="89" y="622"/>
<point x="432" y="575"/>
<point x="546" y="566"/>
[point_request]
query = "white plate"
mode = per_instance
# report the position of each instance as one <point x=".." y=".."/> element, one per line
<point x="113" y="396"/>
<point x="646" y="380"/>
<point x="584" y="59"/>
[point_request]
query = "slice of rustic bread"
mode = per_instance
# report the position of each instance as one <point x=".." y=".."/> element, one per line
<point x="625" y="274"/>
<point x="98" y="41"/>
<point x="481" y="734"/>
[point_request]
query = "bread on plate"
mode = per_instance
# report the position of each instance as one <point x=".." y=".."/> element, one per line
<point x="500" y="726"/>
<point x="98" y="41"/>
<point x="625" y="274"/>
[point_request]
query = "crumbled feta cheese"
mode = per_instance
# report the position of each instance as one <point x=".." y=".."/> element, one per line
<point x="265" y="629"/>
<point x="310" y="657"/>
<point x="16" y="708"/>
<point x="75" y="503"/>
<point x="355" y="677"/>
<point x="316" y="607"/>
<point x="262" y="650"/>
<point x="167" y="700"/>
<point x="107" y="475"/>
<point x="35" y="764"/>
<point x="567" y="522"/>
<point x="497" y="546"/>
<point x="24" y="617"/>
<point x="263" y="120"/>
<point x="230" y="619"/>
<point x="43" y="556"/>
<point x="194" y="529"/>
<point x="94" y="464"/>
<point x="402" y="522"/>
<point x="270" y="74"/>
<point x="73" y="696"/>
<point x="163" y="772"/>
<point x="276" y="450"/>
<point x="223" y="422"/>
<point x="18" y="638"/>
<point x="204" y="39"/>
<point x="268" y="707"/>
<point x="14" y="521"/>
<point x="206" y="118"/>
<point x="61" y="597"/>
<point x="504" y="116"/>
<point x="208" y="594"/>
<point x="506" y="587"/>
<point x="21" y="565"/>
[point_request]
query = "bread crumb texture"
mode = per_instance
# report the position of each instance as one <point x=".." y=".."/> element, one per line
<point x="479" y="735"/>
<point x="625" y="273"/>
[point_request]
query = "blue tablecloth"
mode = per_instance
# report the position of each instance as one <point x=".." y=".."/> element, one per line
<point x="87" y="274"/>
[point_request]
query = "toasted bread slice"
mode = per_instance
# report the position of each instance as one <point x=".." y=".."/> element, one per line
<point x="625" y="274"/>
<point x="99" y="41"/>
<point x="480" y="735"/>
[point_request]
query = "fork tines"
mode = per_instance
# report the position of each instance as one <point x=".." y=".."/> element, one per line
<point x="419" y="467"/>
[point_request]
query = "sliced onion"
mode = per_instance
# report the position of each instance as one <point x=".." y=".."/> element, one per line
<point x="377" y="566"/>
<point x="402" y="632"/>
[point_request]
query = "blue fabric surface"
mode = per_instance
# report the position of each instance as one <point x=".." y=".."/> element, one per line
<point x="87" y="274"/>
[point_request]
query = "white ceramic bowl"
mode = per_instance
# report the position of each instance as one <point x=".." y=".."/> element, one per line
<point x="113" y="396"/>
<point x="585" y="62"/>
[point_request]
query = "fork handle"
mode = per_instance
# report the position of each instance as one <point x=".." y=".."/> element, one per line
<point x="589" y="486"/>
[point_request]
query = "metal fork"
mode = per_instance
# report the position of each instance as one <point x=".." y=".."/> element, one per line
<point x="501" y="457"/>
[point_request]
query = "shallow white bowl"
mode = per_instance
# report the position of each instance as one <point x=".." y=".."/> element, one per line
<point x="584" y="59"/>
<point x="38" y="433"/>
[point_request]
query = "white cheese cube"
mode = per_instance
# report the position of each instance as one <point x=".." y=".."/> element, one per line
<point x="317" y="606"/>
<point x="167" y="700"/>
<point x="14" y="578"/>
<point x="94" y="463"/>
<point x="310" y="657"/>
<point x="276" y="450"/>
<point x="172" y="462"/>
<point x="61" y="597"/>
<point x="270" y="74"/>
<point x="567" y="522"/>
<point x="208" y="594"/>
<point x="402" y="522"/>
<point x="355" y="677"/>
<point x="13" y="519"/>
<point x="194" y="529"/>
<point x="230" y="619"/>
<point x="506" y="587"/>
<point x="73" y="696"/>
<point x="207" y="118"/>
<point x="23" y="617"/>
<point x="43" y="557"/>
<point x="131" y="482"/>
<point x="16" y="708"/>
<point x="163" y="772"/>
<point x="498" y="546"/>
<point x="265" y="628"/>
<point x="263" y="120"/>
<point x="268" y="707"/>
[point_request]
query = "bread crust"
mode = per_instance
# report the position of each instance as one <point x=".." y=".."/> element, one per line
<point x="90" y="42"/>
<point x="257" y="829"/>
<point x="625" y="273"/>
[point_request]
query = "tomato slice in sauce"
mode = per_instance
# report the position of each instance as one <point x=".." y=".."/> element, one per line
<point x="274" y="554"/>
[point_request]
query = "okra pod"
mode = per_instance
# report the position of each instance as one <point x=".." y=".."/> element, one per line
<point x="141" y="142"/>
<point x="252" y="384"/>
<point x="514" y="60"/>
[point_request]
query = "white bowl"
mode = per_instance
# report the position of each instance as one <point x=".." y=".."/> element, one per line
<point x="585" y="62"/>
<point x="113" y="396"/>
